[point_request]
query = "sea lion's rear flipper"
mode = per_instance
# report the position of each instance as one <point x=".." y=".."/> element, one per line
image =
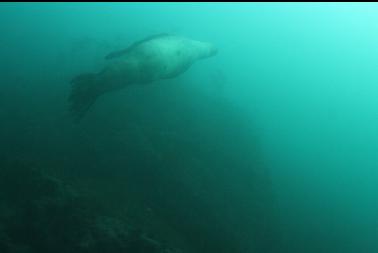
<point x="83" y="95"/>
<point x="122" y="52"/>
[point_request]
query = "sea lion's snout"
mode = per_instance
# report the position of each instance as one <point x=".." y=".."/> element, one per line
<point x="213" y="50"/>
<point x="208" y="50"/>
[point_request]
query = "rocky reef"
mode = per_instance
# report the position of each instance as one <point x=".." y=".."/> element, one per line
<point x="39" y="213"/>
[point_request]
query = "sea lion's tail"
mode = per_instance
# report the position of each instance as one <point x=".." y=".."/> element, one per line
<point x="83" y="95"/>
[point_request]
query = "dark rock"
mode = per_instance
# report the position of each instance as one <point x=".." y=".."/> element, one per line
<point x="40" y="214"/>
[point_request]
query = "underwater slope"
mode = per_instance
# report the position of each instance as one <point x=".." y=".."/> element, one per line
<point x="195" y="164"/>
<point x="191" y="174"/>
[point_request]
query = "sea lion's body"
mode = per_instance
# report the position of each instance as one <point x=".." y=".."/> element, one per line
<point x="154" y="58"/>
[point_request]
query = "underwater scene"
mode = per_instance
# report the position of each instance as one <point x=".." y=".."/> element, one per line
<point x="189" y="127"/>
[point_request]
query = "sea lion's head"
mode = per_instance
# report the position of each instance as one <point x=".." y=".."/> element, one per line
<point x="205" y="49"/>
<point x="208" y="50"/>
<point x="213" y="50"/>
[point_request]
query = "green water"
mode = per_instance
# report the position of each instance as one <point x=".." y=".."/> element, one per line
<point x="269" y="146"/>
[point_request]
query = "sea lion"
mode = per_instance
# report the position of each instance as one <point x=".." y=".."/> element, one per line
<point x="154" y="58"/>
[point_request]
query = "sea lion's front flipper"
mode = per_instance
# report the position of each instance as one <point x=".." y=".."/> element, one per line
<point x="116" y="54"/>
<point x="122" y="52"/>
